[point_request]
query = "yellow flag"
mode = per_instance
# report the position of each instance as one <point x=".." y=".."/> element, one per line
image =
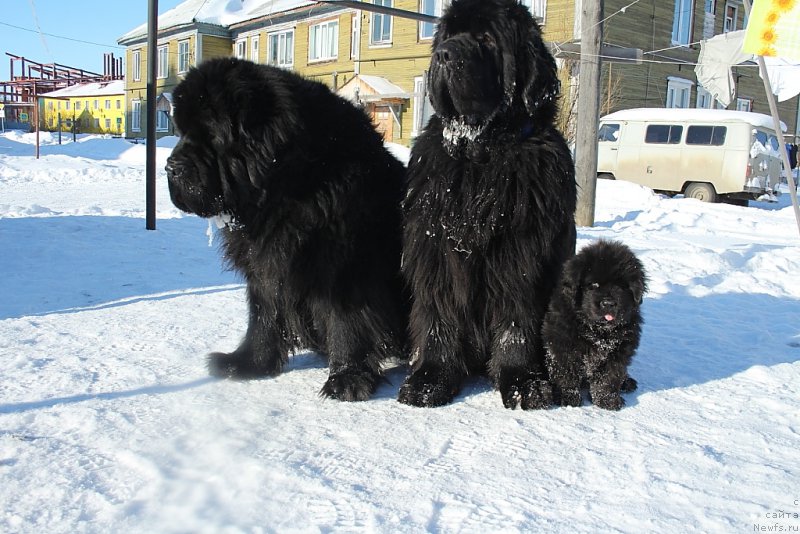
<point x="774" y="29"/>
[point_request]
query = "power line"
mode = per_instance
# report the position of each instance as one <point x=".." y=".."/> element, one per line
<point x="61" y="36"/>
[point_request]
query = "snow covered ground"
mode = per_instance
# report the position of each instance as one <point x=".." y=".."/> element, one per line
<point x="109" y="422"/>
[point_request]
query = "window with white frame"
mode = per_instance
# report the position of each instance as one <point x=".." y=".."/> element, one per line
<point x="711" y="6"/>
<point x="108" y="124"/>
<point x="679" y="92"/>
<point x="355" y="32"/>
<point x="254" y="44"/>
<point x="381" y="28"/>
<point x="136" y="59"/>
<point x="682" y="22"/>
<point x="422" y="110"/>
<point x="538" y="8"/>
<point x="323" y="41"/>
<point x="744" y="104"/>
<point x="136" y="115"/>
<point x="163" y="62"/>
<point x="280" y="49"/>
<point x="162" y="120"/>
<point x="433" y="8"/>
<point x="183" y="56"/>
<point x="705" y="100"/>
<point x="241" y="48"/>
<point x="731" y="12"/>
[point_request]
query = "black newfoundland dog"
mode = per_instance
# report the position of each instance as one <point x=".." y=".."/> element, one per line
<point x="592" y="328"/>
<point x="490" y="207"/>
<point x="313" y="204"/>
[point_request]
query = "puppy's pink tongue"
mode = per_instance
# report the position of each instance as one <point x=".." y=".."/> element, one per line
<point x="608" y="317"/>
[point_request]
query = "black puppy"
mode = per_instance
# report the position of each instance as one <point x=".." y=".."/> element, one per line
<point x="313" y="203"/>
<point x="592" y="328"/>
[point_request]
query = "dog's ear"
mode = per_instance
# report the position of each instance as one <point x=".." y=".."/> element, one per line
<point x="572" y="282"/>
<point x="537" y="74"/>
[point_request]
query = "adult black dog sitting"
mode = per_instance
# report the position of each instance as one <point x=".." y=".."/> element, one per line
<point x="490" y="207"/>
<point x="312" y="200"/>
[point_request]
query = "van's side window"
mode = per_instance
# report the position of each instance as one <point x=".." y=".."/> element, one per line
<point x="663" y="134"/>
<point x="608" y="132"/>
<point x="706" y="135"/>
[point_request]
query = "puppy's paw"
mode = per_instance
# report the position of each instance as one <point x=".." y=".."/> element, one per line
<point x="239" y="366"/>
<point x="609" y="402"/>
<point x="427" y="388"/>
<point x="350" y="384"/>
<point x="629" y="385"/>
<point x="528" y="393"/>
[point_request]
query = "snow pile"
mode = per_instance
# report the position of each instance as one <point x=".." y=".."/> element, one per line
<point x="109" y="422"/>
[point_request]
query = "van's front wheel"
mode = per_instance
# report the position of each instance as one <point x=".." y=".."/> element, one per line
<point x="701" y="191"/>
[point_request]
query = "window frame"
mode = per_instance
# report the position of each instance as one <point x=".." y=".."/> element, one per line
<point x="672" y="138"/>
<point x="137" y="65"/>
<point x="162" y="121"/>
<point x="538" y="9"/>
<point x="162" y="62"/>
<point x="677" y="86"/>
<point x="288" y="49"/>
<point x="324" y="28"/>
<point x="716" y="135"/>
<point x="240" y="49"/>
<point x="734" y="20"/>
<point x="386" y="24"/>
<point x="682" y="22"/>
<point x="136" y="115"/>
<point x="255" y="44"/>
<point x="183" y="56"/>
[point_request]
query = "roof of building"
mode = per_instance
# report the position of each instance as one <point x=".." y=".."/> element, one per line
<point x="116" y="87"/>
<point x="371" y="88"/>
<point x="217" y="12"/>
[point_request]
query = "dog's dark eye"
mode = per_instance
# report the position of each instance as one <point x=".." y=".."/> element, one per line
<point x="487" y="39"/>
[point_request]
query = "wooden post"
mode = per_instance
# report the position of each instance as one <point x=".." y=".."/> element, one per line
<point x="150" y="150"/>
<point x="588" y="111"/>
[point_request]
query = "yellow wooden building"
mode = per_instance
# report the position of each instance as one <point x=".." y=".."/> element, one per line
<point x="380" y="61"/>
<point x="91" y="107"/>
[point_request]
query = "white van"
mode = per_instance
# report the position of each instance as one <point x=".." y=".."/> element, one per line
<point x="707" y="154"/>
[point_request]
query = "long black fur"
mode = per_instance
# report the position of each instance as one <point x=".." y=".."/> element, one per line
<point x="490" y="207"/>
<point x="314" y="199"/>
<point x="593" y="326"/>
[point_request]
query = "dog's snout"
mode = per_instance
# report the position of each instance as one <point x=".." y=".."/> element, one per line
<point x="446" y="53"/>
<point x="608" y="303"/>
<point x="443" y="56"/>
<point x="174" y="168"/>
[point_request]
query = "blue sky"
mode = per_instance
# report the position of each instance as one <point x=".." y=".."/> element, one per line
<point x="72" y="33"/>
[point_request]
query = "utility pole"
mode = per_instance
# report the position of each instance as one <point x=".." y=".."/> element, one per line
<point x="150" y="149"/>
<point x="588" y="110"/>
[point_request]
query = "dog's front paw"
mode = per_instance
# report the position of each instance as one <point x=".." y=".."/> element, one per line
<point x="629" y="385"/>
<point x="427" y="388"/>
<point x="528" y="393"/>
<point x="569" y="397"/>
<point x="239" y="365"/>
<point x="609" y="402"/>
<point x="350" y="384"/>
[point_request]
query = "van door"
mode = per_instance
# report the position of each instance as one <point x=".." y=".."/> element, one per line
<point x="607" y="147"/>
<point x="658" y="157"/>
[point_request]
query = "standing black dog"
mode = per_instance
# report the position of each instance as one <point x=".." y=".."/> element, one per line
<point x="490" y="207"/>
<point x="593" y="326"/>
<point x="313" y="201"/>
